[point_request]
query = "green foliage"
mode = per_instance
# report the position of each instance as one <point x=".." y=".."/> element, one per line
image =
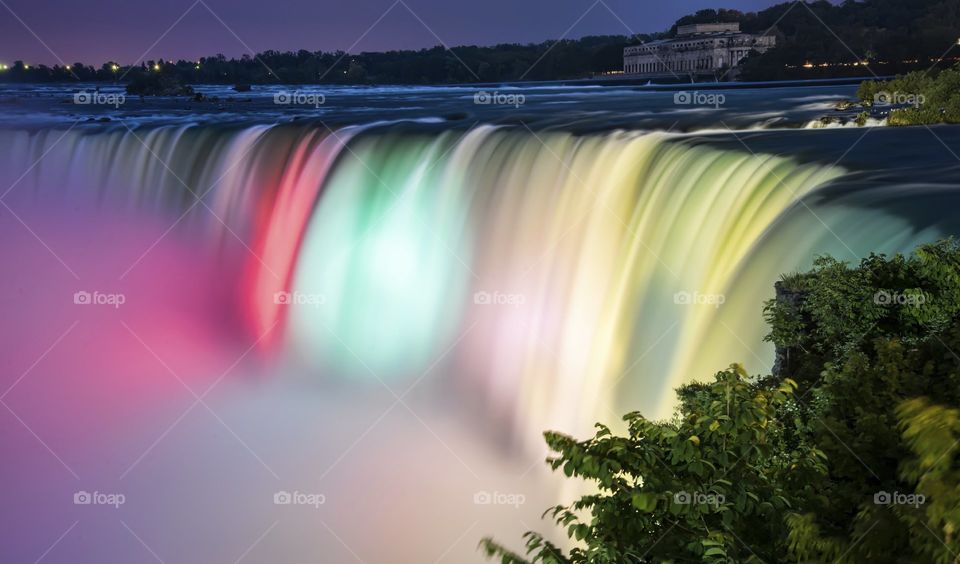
<point x="843" y="309"/>
<point x="933" y="435"/>
<point x="864" y="343"/>
<point x="707" y="488"/>
<point x="868" y="90"/>
<point x="853" y="458"/>
<point x="919" y="98"/>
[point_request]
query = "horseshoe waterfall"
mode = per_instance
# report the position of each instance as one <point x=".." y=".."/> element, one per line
<point x="387" y="254"/>
<point x="447" y="293"/>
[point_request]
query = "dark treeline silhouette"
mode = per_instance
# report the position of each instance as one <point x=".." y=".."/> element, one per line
<point x="821" y="39"/>
<point x="575" y="58"/>
<point x="815" y="39"/>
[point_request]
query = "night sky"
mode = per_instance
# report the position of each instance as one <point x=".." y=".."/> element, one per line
<point x="94" y="31"/>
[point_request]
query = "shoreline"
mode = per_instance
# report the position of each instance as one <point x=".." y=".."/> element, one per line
<point x="644" y="83"/>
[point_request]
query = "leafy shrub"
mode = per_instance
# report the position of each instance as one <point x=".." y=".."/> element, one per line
<point x="918" y="98"/>
<point x="707" y="488"/>
<point x="853" y="458"/>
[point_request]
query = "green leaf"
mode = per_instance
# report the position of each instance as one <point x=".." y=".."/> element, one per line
<point x="645" y="501"/>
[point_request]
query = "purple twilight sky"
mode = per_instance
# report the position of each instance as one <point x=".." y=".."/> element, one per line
<point x="94" y="31"/>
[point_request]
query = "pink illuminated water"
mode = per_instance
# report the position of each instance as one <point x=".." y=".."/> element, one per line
<point x="201" y="319"/>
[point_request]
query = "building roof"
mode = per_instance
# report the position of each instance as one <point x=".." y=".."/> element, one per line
<point x="666" y="42"/>
<point x="708" y="28"/>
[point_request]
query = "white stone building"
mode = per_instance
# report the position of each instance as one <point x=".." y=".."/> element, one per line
<point x="698" y="49"/>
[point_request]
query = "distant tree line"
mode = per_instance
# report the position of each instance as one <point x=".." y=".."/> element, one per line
<point x="822" y="39"/>
<point x="564" y="59"/>
<point x="815" y="39"/>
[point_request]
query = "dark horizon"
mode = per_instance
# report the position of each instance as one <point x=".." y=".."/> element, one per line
<point x="193" y="29"/>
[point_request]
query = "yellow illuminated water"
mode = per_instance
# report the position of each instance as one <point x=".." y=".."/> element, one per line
<point x="549" y="280"/>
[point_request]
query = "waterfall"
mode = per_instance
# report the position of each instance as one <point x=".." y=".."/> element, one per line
<point x="547" y="279"/>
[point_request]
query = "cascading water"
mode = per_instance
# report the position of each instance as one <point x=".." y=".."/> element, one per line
<point x="552" y="279"/>
<point x="547" y="260"/>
